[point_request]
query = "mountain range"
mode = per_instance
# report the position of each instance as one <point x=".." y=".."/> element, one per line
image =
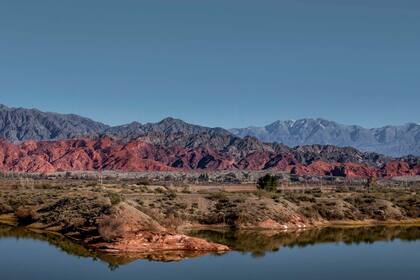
<point x="76" y="143"/>
<point x="19" y="124"/>
<point x="390" y="140"/>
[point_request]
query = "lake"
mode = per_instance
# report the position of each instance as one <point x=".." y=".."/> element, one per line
<point x="328" y="253"/>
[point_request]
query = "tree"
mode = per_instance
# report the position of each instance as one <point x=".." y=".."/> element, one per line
<point x="268" y="183"/>
<point x="371" y="182"/>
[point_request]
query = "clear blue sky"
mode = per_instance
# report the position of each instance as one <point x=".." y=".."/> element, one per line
<point x="217" y="63"/>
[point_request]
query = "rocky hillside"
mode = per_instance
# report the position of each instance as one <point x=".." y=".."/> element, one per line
<point x="389" y="140"/>
<point x="17" y="124"/>
<point x="240" y="154"/>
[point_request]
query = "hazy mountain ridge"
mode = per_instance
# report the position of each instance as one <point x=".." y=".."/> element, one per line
<point x="391" y="140"/>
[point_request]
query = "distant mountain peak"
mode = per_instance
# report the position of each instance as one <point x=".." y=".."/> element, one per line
<point x="172" y="123"/>
<point x="135" y="123"/>
<point x="390" y="140"/>
<point x="171" y="120"/>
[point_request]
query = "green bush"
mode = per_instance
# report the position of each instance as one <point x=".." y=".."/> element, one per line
<point x="268" y="183"/>
<point x="115" y="198"/>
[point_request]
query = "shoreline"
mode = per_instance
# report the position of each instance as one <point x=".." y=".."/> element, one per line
<point x="332" y="224"/>
<point x="137" y="218"/>
<point x="112" y="248"/>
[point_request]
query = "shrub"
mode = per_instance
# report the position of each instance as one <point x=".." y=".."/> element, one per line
<point x="268" y="183"/>
<point x="371" y="182"/>
<point x="159" y="190"/>
<point x="115" y="198"/>
<point x="171" y="195"/>
<point x="186" y="190"/>
<point x="218" y="196"/>
<point x="25" y="215"/>
<point x="143" y="182"/>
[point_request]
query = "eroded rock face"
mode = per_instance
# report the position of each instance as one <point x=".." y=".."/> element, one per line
<point x="240" y="154"/>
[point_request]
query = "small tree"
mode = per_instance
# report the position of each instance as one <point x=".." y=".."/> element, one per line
<point x="371" y="182"/>
<point x="268" y="183"/>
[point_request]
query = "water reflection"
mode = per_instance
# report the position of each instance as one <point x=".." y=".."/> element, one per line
<point x="256" y="242"/>
<point x="75" y="248"/>
<point x="260" y="242"/>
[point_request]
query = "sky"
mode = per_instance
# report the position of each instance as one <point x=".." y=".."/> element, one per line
<point x="228" y="63"/>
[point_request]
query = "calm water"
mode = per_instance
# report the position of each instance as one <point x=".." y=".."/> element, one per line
<point x="373" y="253"/>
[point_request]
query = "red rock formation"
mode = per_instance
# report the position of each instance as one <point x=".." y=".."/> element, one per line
<point x="399" y="168"/>
<point x="139" y="155"/>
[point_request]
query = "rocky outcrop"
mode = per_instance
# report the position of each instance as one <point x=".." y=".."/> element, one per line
<point x="128" y="230"/>
<point x="151" y="242"/>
